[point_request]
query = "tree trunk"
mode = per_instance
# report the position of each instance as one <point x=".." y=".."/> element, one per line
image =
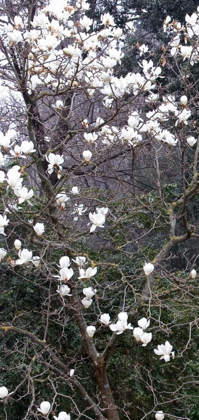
<point x="110" y="408"/>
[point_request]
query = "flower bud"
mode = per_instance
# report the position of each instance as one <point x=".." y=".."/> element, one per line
<point x="159" y="415"/>
<point x="148" y="268"/>
<point x="44" y="407"/>
<point x="183" y="100"/>
<point x="86" y="302"/>
<point x="90" y="331"/>
<point x="191" y="141"/>
<point x="3" y="392"/>
<point x="17" y="244"/>
<point x="193" y="274"/>
<point x="3" y="253"/>
<point x="105" y="319"/>
<point x="87" y="155"/>
<point x="39" y="229"/>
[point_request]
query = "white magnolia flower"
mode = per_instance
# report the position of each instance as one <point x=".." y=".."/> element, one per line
<point x="11" y="133"/>
<point x="39" y="228"/>
<point x="79" y="210"/>
<point x="193" y="274"/>
<point x="89" y="292"/>
<point x="75" y="190"/>
<point x="88" y="273"/>
<point x="175" y="44"/>
<point x="99" y="120"/>
<point x="64" y="290"/>
<point x="14" y="37"/>
<point x="133" y="120"/>
<point x="65" y="274"/>
<point x="183" y="116"/>
<point x="97" y="219"/>
<point x="102" y="210"/>
<point x="105" y="319"/>
<point x="86" y="22"/>
<point x="137" y="333"/>
<point x="143" y="49"/>
<point x="121" y="325"/>
<point x="107" y="20"/>
<point x="59" y="104"/>
<point x="18" y="22"/>
<point x="62" y="415"/>
<point x="90" y="331"/>
<point x="17" y="244"/>
<point x="85" y="123"/>
<point x="32" y="35"/>
<point x="186" y="51"/>
<point x="117" y="33"/>
<point x="90" y="137"/>
<point x="27" y="147"/>
<point x="146" y="338"/>
<point x="144" y="323"/>
<point x="40" y="20"/>
<point x="44" y="407"/>
<point x="13" y="177"/>
<point x="36" y="261"/>
<point x="128" y="134"/>
<point x="191" y="20"/>
<point x="5" y="141"/>
<point x="3" y="222"/>
<point x="47" y="43"/>
<point x="165" y="351"/>
<point x="80" y="261"/>
<point x="64" y="261"/>
<point x="72" y="52"/>
<point x="159" y="415"/>
<point x="3" y="392"/>
<point x="85" y="5"/>
<point x="169" y="139"/>
<point x="148" y="268"/>
<point x="17" y="151"/>
<point x="61" y="199"/>
<point x="55" y="162"/>
<point x="87" y="155"/>
<point x="23" y="194"/>
<point x="3" y="253"/>
<point x="87" y="302"/>
<point x="167" y="20"/>
<point x="24" y="257"/>
<point x="72" y="371"/>
<point x="191" y="141"/>
<point x="35" y="80"/>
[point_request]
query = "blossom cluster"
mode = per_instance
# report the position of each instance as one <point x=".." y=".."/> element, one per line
<point x="182" y="35"/>
<point x="66" y="273"/>
<point x="163" y="350"/>
<point x="57" y="66"/>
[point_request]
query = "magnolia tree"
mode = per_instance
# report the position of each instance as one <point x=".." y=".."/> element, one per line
<point x="98" y="317"/>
